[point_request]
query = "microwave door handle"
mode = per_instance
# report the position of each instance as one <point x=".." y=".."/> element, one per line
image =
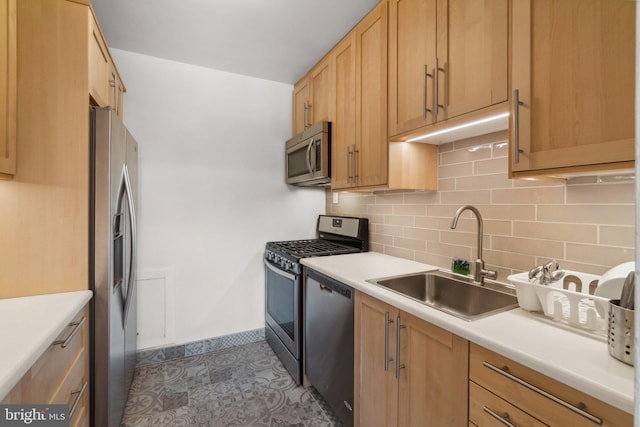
<point x="309" y="157"/>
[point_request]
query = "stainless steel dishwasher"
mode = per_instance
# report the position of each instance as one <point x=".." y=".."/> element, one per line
<point x="329" y="342"/>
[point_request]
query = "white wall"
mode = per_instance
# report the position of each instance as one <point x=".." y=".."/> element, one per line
<point x="212" y="192"/>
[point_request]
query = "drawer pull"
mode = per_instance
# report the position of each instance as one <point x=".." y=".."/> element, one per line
<point x="504" y="419"/>
<point x="65" y="342"/>
<point x="77" y="400"/>
<point x="504" y="372"/>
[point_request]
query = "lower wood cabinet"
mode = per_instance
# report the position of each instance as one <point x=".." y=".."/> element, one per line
<point x="61" y="374"/>
<point x="502" y="391"/>
<point x="407" y="371"/>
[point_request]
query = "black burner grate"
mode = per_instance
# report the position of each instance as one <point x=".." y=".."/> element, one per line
<point x="310" y="248"/>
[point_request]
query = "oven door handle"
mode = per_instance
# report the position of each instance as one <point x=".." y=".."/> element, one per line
<point x="278" y="271"/>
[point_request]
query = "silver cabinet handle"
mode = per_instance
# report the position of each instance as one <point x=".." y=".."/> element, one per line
<point x="114" y="84"/>
<point x="387" y="359"/>
<point x="503" y="419"/>
<point x="504" y="372"/>
<point x="307" y="114"/>
<point x="398" y="365"/>
<point x="65" y="342"/>
<point x="304" y="116"/>
<point x="349" y="154"/>
<point x="436" y="91"/>
<point x="78" y="399"/>
<point x="355" y="163"/>
<point x="516" y="126"/>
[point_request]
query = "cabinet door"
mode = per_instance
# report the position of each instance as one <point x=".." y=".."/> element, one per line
<point x="322" y="91"/>
<point x="573" y="67"/>
<point x="8" y="84"/>
<point x="376" y="388"/>
<point x="116" y="90"/>
<point x="99" y="65"/>
<point x="412" y="54"/>
<point x="343" y="129"/>
<point x="372" y="149"/>
<point x="472" y="55"/>
<point x="434" y="375"/>
<point x="301" y="106"/>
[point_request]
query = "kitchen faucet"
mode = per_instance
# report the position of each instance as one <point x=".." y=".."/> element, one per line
<point x="479" y="273"/>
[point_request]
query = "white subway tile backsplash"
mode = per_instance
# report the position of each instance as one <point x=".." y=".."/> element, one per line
<point x="586" y="224"/>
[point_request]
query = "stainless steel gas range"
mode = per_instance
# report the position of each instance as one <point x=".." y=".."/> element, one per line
<point x="284" y="281"/>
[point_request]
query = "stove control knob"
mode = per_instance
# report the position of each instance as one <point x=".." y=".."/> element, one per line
<point x="288" y="265"/>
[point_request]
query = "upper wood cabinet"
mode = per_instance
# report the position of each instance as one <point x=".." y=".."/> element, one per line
<point x="343" y="128"/>
<point x="359" y="153"/>
<point x="105" y="85"/>
<point x="301" y="106"/>
<point x="408" y="372"/>
<point x="313" y="96"/>
<point x="63" y="65"/>
<point x="370" y="152"/>
<point x="8" y="86"/>
<point x="446" y="58"/>
<point x="574" y="71"/>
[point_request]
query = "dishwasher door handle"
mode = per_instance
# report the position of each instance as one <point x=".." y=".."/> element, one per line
<point x="325" y="288"/>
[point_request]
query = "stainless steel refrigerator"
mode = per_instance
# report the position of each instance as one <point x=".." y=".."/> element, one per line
<point x="114" y="157"/>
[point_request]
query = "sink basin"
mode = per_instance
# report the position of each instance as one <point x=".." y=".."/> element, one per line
<point x="453" y="294"/>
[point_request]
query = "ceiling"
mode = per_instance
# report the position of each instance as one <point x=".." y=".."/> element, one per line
<point x="277" y="40"/>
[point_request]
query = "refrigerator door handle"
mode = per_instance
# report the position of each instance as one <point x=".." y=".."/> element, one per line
<point x="134" y="242"/>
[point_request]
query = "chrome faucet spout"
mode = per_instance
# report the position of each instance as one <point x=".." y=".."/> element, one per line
<point x="475" y="210"/>
<point x="479" y="272"/>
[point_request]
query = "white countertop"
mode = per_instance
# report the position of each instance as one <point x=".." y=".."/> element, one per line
<point x="28" y="326"/>
<point x="565" y="354"/>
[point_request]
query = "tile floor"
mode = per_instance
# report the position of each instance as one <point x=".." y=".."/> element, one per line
<point x="239" y="386"/>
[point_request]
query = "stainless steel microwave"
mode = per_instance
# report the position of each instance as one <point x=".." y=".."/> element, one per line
<point x="307" y="158"/>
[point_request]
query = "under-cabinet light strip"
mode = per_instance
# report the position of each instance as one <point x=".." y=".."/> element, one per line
<point x="454" y="128"/>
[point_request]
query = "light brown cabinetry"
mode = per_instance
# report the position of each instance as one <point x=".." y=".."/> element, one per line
<point x="447" y="58"/>
<point x="301" y="105"/>
<point x="313" y="96"/>
<point x="61" y="374"/>
<point x="574" y="71"/>
<point x="359" y="145"/>
<point x="408" y="372"/>
<point x="343" y="128"/>
<point x="105" y="85"/>
<point x="44" y="217"/>
<point x="502" y="390"/>
<point x="8" y="86"/>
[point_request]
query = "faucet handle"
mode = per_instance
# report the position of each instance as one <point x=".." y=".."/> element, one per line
<point x="480" y="273"/>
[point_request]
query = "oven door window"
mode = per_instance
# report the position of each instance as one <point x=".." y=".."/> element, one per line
<point x="281" y="300"/>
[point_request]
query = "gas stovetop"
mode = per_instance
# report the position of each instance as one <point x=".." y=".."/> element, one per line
<point x="336" y="235"/>
<point x="310" y="248"/>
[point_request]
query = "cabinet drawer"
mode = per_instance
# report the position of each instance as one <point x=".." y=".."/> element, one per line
<point x="41" y="383"/>
<point x="74" y="387"/>
<point x="549" y="401"/>
<point x="486" y="409"/>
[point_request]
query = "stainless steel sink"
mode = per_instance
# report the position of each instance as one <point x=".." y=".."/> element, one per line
<point x="453" y="294"/>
